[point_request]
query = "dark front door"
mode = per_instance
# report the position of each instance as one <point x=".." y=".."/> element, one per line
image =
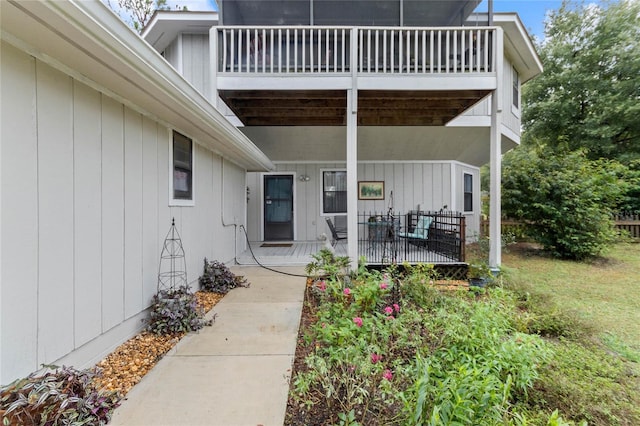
<point x="278" y="207"/>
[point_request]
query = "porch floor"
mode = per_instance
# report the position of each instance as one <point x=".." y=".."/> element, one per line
<point x="299" y="253"/>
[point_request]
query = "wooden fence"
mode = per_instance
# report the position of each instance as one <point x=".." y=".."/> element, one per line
<point x="628" y="222"/>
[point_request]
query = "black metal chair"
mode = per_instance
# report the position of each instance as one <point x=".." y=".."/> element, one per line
<point x="335" y="235"/>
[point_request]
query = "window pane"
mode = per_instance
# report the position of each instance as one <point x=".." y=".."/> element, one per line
<point x="516" y="88"/>
<point x="468" y="192"/>
<point x="468" y="202"/>
<point x="334" y="191"/>
<point x="182" y="167"/>
<point x="468" y="183"/>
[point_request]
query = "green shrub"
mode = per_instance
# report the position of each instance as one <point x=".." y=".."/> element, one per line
<point x="175" y="311"/>
<point x="327" y="265"/>
<point x="58" y="396"/>
<point x="368" y="349"/>
<point x="479" y="368"/>
<point x="564" y="200"/>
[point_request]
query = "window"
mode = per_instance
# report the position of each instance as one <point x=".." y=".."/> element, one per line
<point x="334" y="191"/>
<point x="182" y="169"/>
<point x="468" y="192"/>
<point x="516" y="89"/>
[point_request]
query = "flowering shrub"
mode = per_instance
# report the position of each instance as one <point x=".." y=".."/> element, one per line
<point x="428" y="358"/>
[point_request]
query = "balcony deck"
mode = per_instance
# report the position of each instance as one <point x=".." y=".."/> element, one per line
<point x="279" y="76"/>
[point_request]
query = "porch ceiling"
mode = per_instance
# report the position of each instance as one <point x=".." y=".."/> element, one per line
<point x="329" y="107"/>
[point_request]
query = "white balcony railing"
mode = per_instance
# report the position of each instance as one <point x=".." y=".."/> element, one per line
<point x="327" y="50"/>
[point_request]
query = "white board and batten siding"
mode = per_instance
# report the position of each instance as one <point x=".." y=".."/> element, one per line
<point x="511" y="118"/>
<point x="85" y="210"/>
<point x="428" y="184"/>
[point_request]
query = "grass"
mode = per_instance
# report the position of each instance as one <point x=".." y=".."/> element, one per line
<point x="605" y="292"/>
<point x="590" y="313"/>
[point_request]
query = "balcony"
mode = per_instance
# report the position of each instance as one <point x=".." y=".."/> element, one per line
<point x="298" y="76"/>
<point x="376" y="50"/>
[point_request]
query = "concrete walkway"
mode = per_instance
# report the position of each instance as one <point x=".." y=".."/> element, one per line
<point x="235" y="373"/>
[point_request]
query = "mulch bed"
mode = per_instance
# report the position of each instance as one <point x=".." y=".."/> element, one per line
<point x="126" y="366"/>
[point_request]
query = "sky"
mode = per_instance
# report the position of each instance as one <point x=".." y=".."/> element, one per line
<point x="531" y="12"/>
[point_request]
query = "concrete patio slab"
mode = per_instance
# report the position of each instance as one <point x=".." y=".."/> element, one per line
<point x="235" y="373"/>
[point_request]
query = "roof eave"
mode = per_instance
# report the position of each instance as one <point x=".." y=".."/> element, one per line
<point x="519" y="46"/>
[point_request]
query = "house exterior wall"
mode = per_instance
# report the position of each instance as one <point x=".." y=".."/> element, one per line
<point x="428" y="185"/>
<point x="472" y="218"/>
<point x="195" y="61"/>
<point x="510" y="114"/>
<point x="173" y="52"/>
<point x="84" y="191"/>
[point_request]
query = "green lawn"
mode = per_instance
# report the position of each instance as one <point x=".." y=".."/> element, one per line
<point x="604" y="292"/>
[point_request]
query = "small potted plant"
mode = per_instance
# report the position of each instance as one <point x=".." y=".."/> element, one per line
<point x="479" y="275"/>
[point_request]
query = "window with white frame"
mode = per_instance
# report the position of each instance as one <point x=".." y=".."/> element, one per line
<point x="334" y="191"/>
<point x="468" y="192"/>
<point x="516" y="89"/>
<point x="182" y="170"/>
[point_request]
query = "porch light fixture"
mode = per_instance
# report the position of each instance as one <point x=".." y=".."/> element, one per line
<point x="304" y="178"/>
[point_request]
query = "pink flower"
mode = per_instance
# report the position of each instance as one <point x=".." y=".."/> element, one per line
<point x="358" y="321"/>
<point x="391" y="317"/>
<point x="352" y="368"/>
<point x="396" y="307"/>
<point x="383" y="286"/>
<point x="347" y="291"/>
<point x="388" y="310"/>
<point x="322" y="286"/>
<point x="375" y="358"/>
<point x="388" y="375"/>
<point x="324" y="325"/>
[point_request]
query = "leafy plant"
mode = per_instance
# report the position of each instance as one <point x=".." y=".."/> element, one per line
<point x="565" y="200"/>
<point x="175" y="311"/>
<point x="327" y="265"/>
<point x="57" y="396"/>
<point x="364" y="353"/>
<point x="218" y="278"/>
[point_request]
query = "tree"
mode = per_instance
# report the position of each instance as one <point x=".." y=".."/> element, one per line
<point x="589" y="94"/>
<point x="139" y="11"/>
<point x="564" y="199"/>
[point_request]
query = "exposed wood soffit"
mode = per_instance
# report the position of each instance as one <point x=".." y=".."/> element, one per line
<point x="328" y="108"/>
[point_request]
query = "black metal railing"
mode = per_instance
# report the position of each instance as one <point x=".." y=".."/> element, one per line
<point x="413" y="237"/>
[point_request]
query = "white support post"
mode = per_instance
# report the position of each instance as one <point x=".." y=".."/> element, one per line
<point x="213" y="67"/>
<point x="352" y="177"/>
<point x="495" y="209"/>
<point x="352" y="157"/>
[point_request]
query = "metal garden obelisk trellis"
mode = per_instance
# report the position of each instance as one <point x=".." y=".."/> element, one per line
<point x="172" y="271"/>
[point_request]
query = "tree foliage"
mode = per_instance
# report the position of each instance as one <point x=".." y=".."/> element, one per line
<point x="589" y="94"/>
<point x="565" y="199"/>
<point x="138" y="12"/>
